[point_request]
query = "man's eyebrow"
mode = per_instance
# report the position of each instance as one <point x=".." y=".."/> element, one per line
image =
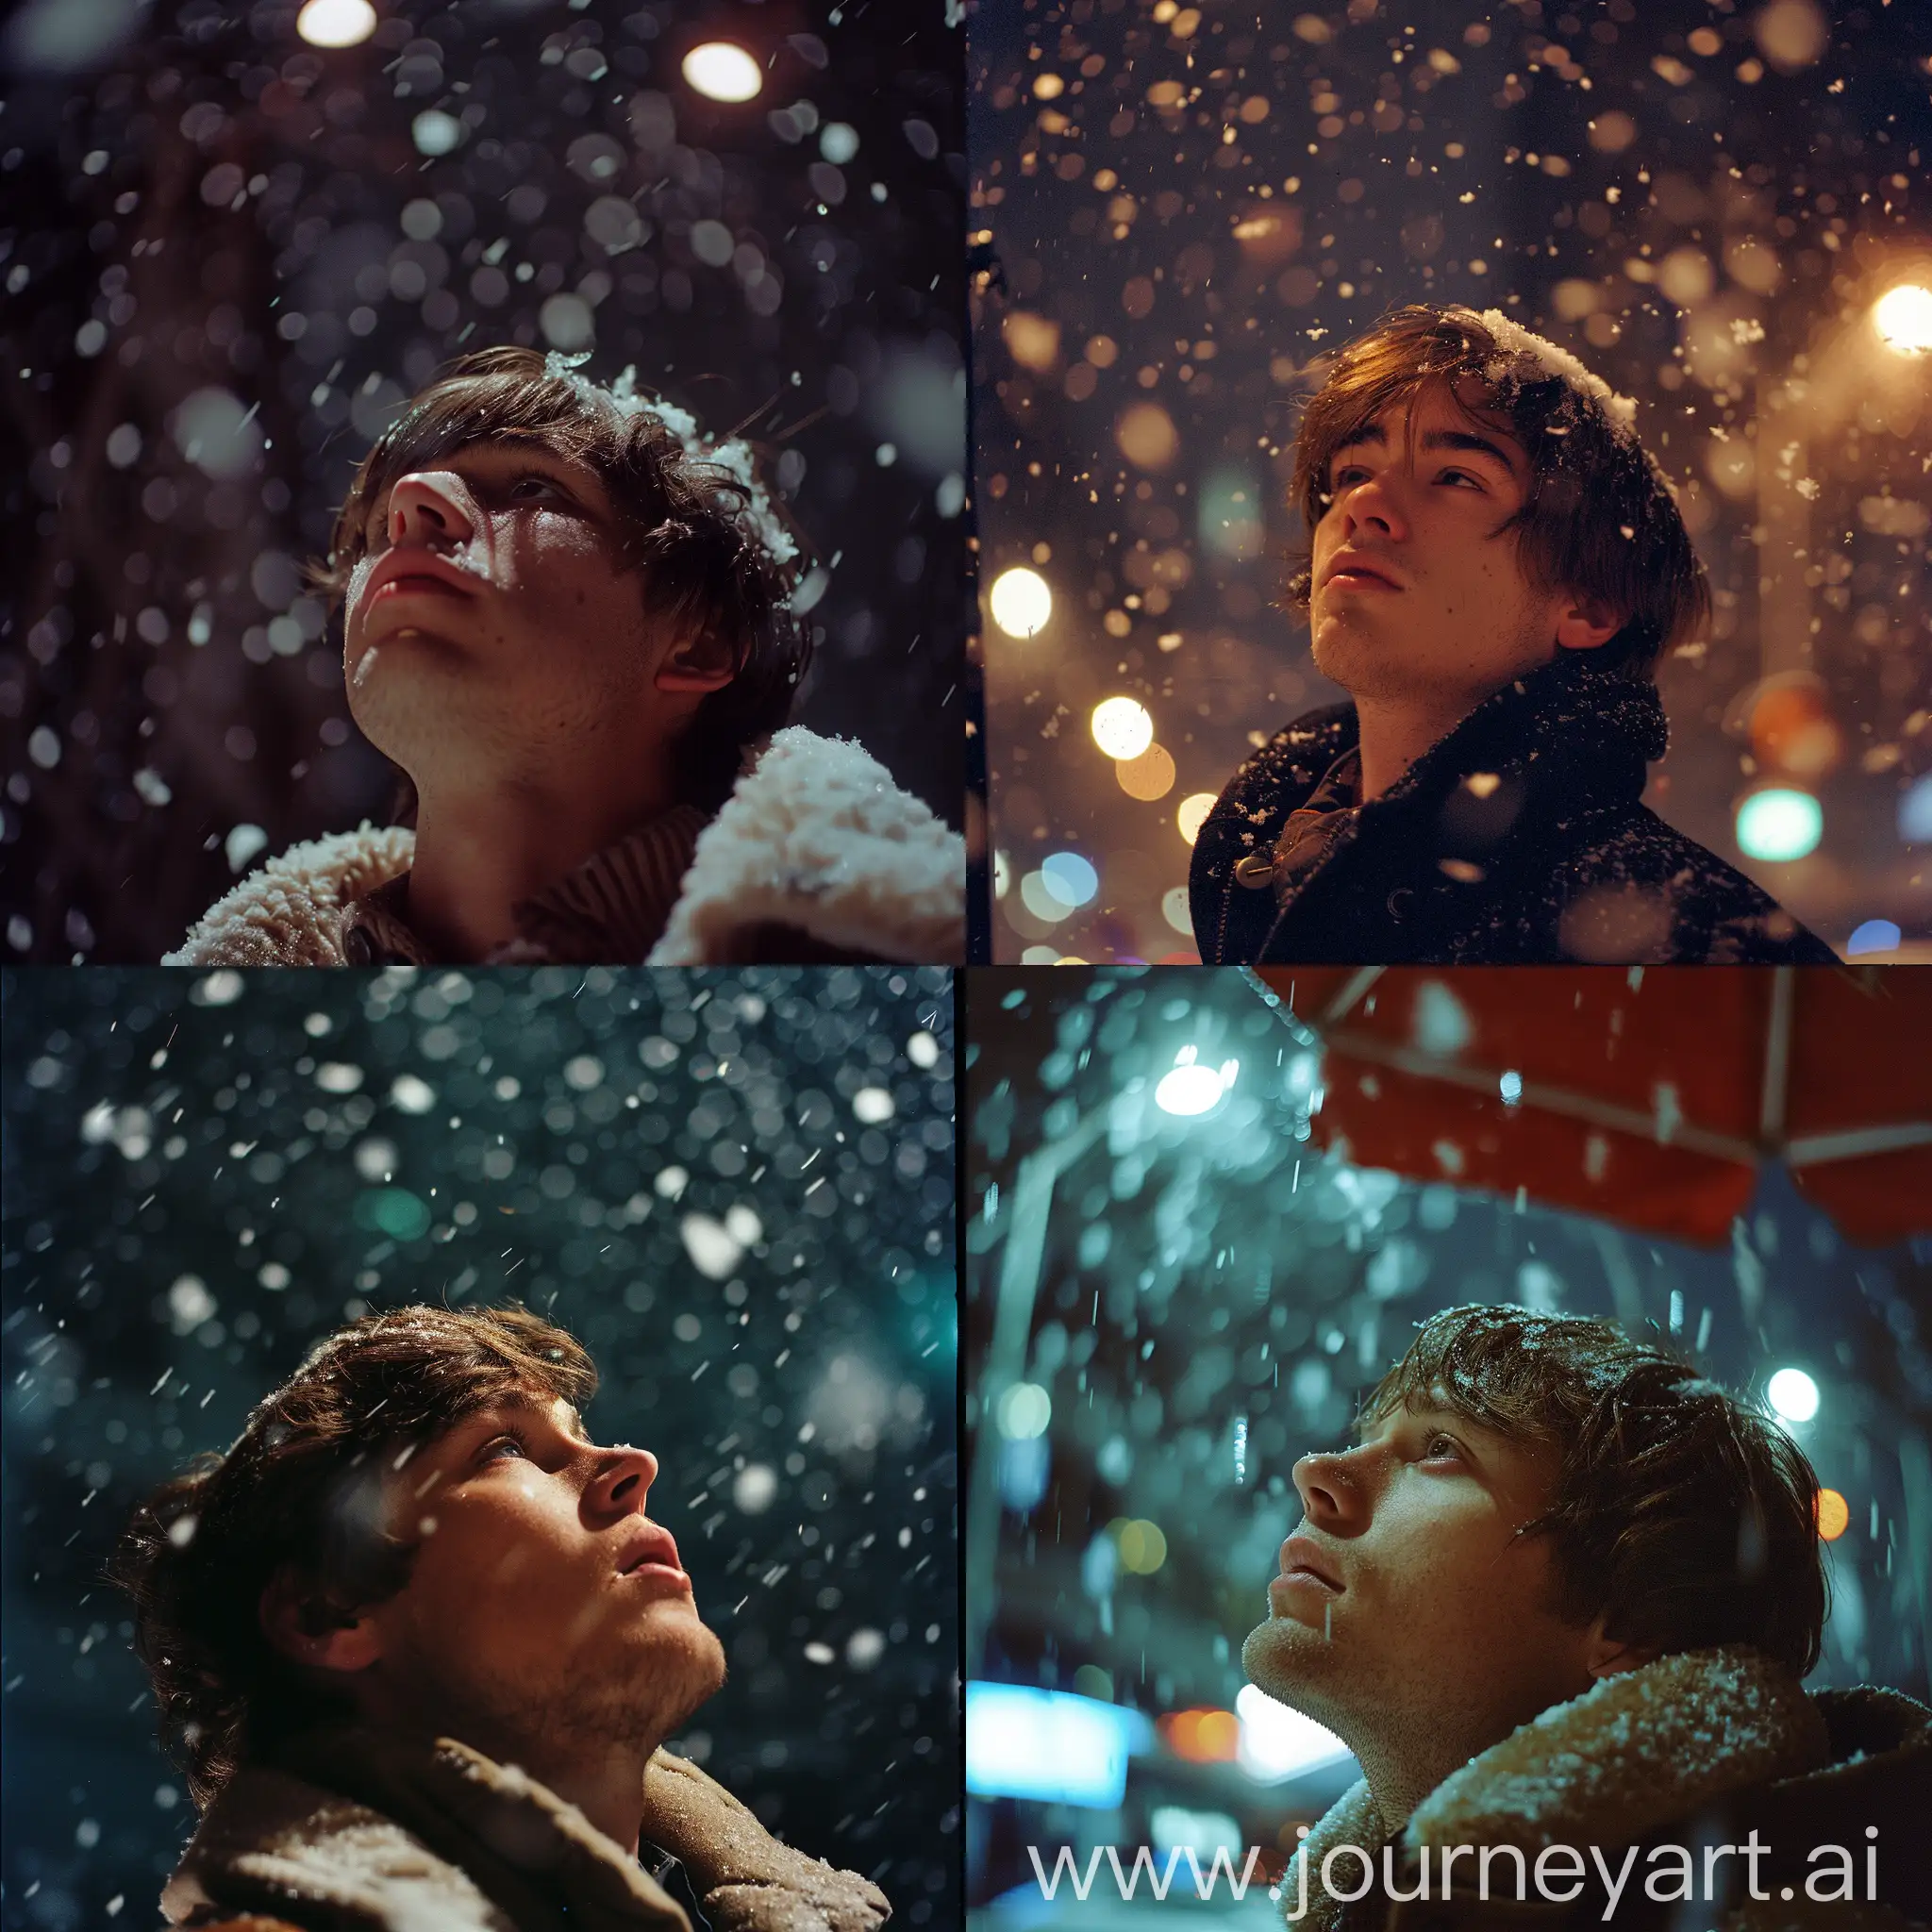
<point x="1435" y="439"/>
<point x="1468" y="440"/>
<point x="1362" y="432"/>
<point x="518" y="1404"/>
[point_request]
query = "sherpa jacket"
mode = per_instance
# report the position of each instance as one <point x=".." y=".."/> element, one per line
<point x="358" y="1830"/>
<point x="1700" y="1748"/>
<point x="1519" y="837"/>
<point x="816" y="839"/>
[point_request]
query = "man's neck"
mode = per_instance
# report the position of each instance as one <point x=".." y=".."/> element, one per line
<point x="605" y="1782"/>
<point x="479" y="854"/>
<point x="1396" y="734"/>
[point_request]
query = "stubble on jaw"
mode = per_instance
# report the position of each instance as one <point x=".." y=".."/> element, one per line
<point x="641" y="1701"/>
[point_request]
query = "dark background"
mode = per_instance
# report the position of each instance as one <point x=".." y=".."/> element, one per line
<point x="198" y="201"/>
<point x="195" y="1193"/>
<point x="1198" y="1269"/>
<point x="1196" y="221"/>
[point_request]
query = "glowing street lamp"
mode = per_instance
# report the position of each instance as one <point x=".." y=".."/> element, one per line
<point x="1189" y="1090"/>
<point x="1902" y="317"/>
<point x="1021" y="602"/>
<point x="1793" y="1395"/>
<point x="336" y="23"/>
<point x="722" y="71"/>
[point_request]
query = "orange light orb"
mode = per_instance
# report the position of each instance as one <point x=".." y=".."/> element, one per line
<point x="1792" y="730"/>
<point x="1834" y="1515"/>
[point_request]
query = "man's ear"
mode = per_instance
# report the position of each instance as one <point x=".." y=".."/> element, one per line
<point x="1606" y="1656"/>
<point x="1584" y="623"/>
<point x="300" y="1625"/>
<point x="703" y="663"/>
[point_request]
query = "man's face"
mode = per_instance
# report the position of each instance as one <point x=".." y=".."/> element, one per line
<point x="1433" y="1614"/>
<point x="489" y="623"/>
<point x="526" y="1615"/>
<point x="1418" y="596"/>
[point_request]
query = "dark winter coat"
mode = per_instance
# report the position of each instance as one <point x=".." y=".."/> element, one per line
<point x="360" y="1830"/>
<point x="1519" y="837"/>
<point x="1698" y="1749"/>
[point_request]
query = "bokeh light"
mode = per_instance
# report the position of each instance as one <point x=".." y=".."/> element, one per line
<point x="1193" y="814"/>
<point x="1915" y="811"/>
<point x="1070" y="877"/>
<point x="1779" y="823"/>
<point x="436" y="133"/>
<point x="1191" y="1089"/>
<point x="1024" y="1410"/>
<point x="1142" y="1545"/>
<point x="1038" y="895"/>
<point x="1123" y="727"/>
<point x="336" y="23"/>
<point x="722" y="71"/>
<point x="1873" y="936"/>
<point x="1148" y="777"/>
<point x="1793" y="1395"/>
<point x="1902" y="317"/>
<point x="1834" y="1515"/>
<point x="1020" y="601"/>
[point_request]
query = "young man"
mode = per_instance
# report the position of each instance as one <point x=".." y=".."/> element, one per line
<point x="566" y="619"/>
<point x="1497" y="564"/>
<point x="416" y="1643"/>
<point x="1560" y="1594"/>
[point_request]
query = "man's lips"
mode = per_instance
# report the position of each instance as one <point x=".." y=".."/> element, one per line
<point x="1305" y="1562"/>
<point x="1354" y="573"/>
<point x="414" y="572"/>
<point x="653" y="1554"/>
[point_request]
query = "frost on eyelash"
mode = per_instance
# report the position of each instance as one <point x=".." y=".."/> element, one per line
<point x="757" y="520"/>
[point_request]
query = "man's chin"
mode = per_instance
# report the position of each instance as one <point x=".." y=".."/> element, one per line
<point x="1283" y="1655"/>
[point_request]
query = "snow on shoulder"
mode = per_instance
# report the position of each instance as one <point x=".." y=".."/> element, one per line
<point x="1525" y="355"/>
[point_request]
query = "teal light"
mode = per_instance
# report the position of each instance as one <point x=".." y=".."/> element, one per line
<point x="1070" y="877"/>
<point x="1779" y="823"/>
<point x="393" y="1211"/>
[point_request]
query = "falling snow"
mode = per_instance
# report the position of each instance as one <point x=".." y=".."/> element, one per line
<point x="205" y="1173"/>
<point x="1181" y="213"/>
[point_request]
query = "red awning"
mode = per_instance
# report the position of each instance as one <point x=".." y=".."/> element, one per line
<point x="1645" y="1097"/>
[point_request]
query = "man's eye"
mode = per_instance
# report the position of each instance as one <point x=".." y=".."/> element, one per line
<point x="1440" y="1445"/>
<point x="521" y="488"/>
<point x="1345" y="477"/>
<point x="490" y="1452"/>
<point x="1473" y="481"/>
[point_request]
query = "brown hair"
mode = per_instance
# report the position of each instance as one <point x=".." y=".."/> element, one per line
<point x="1682" y="1515"/>
<point x="1599" y="518"/>
<point x="682" y="532"/>
<point x="303" y="1486"/>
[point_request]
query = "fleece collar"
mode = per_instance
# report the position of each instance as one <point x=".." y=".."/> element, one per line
<point x="389" y="1835"/>
<point x="1634" y="1752"/>
<point x="816" y="839"/>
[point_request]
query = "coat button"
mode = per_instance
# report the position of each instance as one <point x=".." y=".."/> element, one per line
<point x="1255" y="871"/>
<point x="1398" y="903"/>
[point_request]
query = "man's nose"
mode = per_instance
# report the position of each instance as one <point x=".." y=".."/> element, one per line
<point x="1376" y="506"/>
<point x="628" y="1480"/>
<point x="1331" y="1498"/>
<point x="429" y="508"/>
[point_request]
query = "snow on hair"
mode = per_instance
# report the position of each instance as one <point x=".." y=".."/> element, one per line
<point x="623" y="398"/>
